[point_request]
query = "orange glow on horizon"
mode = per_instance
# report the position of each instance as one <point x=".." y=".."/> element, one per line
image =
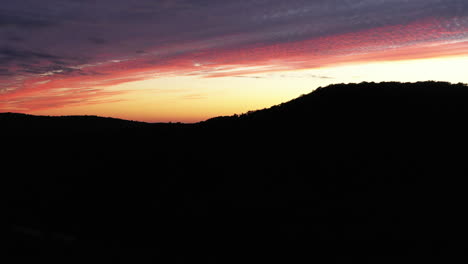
<point x="112" y="92"/>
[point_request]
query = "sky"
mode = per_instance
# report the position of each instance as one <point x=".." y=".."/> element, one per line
<point x="189" y="60"/>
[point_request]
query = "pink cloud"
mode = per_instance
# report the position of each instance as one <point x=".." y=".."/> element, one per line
<point x="90" y="83"/>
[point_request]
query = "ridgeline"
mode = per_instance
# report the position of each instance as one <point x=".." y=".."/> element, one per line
<point x="349" y="172"/>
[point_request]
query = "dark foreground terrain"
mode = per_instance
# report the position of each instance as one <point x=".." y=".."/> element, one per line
<point x="346" y="174"/>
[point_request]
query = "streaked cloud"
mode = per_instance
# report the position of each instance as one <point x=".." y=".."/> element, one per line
<point x="86" y="46"/>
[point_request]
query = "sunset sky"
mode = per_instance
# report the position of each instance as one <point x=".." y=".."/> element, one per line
<point x="189" y="60"/>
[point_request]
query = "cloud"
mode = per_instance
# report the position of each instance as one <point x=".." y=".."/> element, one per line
<point x="5" y="72"/>
<point x="248" y="76"/>
<point x="193" y="96"/>
<point x="56" y="98"/>
<point x="24" y="22"/>
<point x="284" y="75"/>
<point x="97" y="40"/>
<point x="82" y="44"/>
<point x="9" y="54"/>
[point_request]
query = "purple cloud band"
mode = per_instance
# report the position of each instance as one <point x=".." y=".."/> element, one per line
<point x="83" y="39"/>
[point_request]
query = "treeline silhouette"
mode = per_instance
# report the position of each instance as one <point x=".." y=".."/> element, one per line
<point x="348" y="173"/>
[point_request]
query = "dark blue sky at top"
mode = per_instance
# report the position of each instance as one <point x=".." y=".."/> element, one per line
<point x="42" y="36"/>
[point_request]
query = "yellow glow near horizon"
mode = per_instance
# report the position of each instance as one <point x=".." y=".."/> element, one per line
<point x="193" y="98"/>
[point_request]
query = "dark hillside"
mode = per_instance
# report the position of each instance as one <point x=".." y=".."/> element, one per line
<point x="379" y="102"/>
<point x="348" y="173"/>
<point x="29" y="124"/>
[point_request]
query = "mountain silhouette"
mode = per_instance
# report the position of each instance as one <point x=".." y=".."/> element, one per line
<point x="347" y="173"/>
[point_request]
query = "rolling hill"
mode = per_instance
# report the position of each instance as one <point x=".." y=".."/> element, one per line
<point x="349" y="172"/>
